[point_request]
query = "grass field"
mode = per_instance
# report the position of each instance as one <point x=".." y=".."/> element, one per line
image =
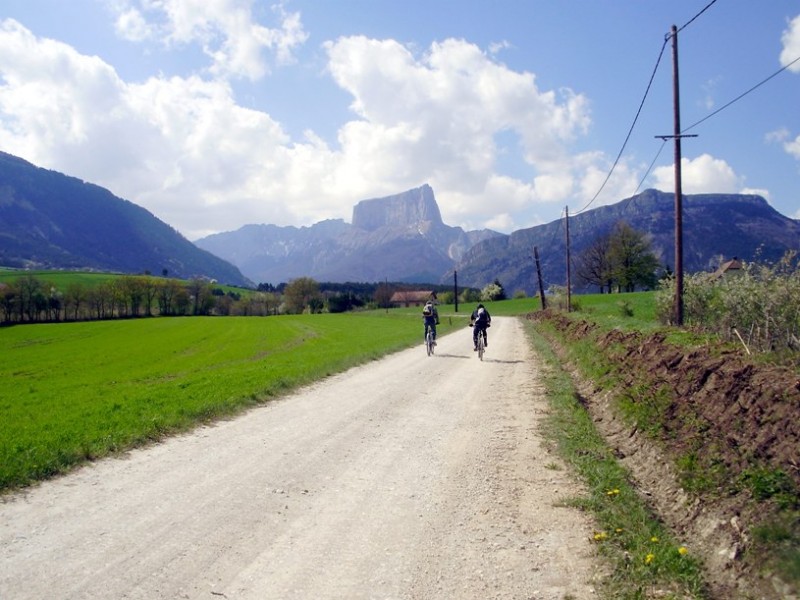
<point x="78" y="391"/>
<point x="74" y="392"/>
<point x="61" y="279"/>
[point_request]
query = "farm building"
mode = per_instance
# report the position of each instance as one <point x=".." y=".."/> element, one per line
<point x="412" y="297"/>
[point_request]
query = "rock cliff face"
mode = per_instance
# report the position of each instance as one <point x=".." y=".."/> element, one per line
<point x="415" y="208"/>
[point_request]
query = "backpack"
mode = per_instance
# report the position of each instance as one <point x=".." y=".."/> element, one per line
<point x="481" y="316"/>
<point x="427" y="311"/>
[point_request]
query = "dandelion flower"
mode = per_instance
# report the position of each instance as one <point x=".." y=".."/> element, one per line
<point x="654" y="539"/>
<point x="682" y="550"/>
<point x="649" y="558"/>
<point x="600" y="536"/>
<point x="619" y="530"/>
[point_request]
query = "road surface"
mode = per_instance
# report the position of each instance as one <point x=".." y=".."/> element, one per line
<point x="407" y="478"/>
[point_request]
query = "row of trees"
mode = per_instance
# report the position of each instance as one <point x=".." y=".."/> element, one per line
<point x="29" y="299"/>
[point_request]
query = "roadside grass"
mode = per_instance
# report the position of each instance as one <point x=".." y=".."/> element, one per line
<point x="643" y="558"/>
<point x="75" y="392"/>
<point x="645" y="406"/>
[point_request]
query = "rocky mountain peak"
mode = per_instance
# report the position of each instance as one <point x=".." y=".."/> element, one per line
<point x="407" y="209"/>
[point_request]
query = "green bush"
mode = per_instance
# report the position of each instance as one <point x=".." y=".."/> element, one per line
<point x="757" y="306"/>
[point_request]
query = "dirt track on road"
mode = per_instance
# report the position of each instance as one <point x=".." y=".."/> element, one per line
<point x="409" y="477"/>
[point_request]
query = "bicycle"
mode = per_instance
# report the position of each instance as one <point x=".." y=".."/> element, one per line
<point x="481" y="344"/>
<point x="429" y="341"/>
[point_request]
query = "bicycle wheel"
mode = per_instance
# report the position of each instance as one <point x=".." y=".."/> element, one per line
<point x="480" y="345"/>
<point x="429" y="342"/>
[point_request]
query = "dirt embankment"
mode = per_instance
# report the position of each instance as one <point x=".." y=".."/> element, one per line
<point x="723" y="417"/>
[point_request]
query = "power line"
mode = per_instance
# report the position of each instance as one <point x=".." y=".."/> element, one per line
<point x="645" y="176"/>
<point x="639" y="111"/>
<point x="630" y="131"/>
<point x="690" y="21"/>
<point x="742" y="95"/>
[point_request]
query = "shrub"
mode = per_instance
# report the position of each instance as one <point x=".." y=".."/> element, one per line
<point x="759" y="304"/>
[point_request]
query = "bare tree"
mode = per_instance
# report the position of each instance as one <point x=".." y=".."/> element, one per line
<point x="594" y="264"/>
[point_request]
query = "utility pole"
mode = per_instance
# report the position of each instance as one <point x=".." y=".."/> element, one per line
<point x="677" y="310"/>
<point x="539" y="276"/>
<point x="569" y="275"/>
<point x="455" y="288"/>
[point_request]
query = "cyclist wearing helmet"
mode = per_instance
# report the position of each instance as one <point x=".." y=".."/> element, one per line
<point x="479" y="321"/>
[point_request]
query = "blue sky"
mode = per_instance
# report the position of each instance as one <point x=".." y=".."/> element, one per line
<point x="214" y="114"/>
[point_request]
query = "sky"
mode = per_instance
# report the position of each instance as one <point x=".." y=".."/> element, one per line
<point x="215" y="114"/>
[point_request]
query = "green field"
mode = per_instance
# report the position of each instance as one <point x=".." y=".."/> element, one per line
<point x="60" y="279"/>
<point x="74" y="392"/>
<point x="78" y="391"/>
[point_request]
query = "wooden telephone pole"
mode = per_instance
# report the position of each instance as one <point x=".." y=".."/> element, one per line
<point x="677" y="310"/>
<point x="539" y="276"/>
<point x="569" y="272"/>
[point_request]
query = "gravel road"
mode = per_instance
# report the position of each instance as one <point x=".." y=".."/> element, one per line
<point x="410" y="477"/>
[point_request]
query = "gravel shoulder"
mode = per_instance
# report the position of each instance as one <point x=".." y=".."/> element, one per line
<point x="409" y="477"/>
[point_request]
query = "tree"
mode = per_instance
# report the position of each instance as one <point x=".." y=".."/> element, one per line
<point x="493" y="291"/>
<point x="167" y="294"/>
<point x="202" y="299"/>
<point x="594" y="264"/>
<point x="74" y="298"/>
<point x="300" y="293"/>
<point x="383" y="295"/>
<point x="632" y="260"/>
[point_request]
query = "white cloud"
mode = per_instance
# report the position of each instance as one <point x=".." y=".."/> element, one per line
<point x="496" y="47"/>
<point x="702" y="175"/>
<point x="792" y="147"/>
<point x="791" y="45"/>
<point x="184" y="148"/>
<point x="436" y="115"/>
<point x="181" y="147"/>
<point x="131" y="25"/>
<point x="225" y="29"/>
<point x="779" y="135"/>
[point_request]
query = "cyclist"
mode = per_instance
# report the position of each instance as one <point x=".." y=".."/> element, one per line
<point x="479" y="321"/>
<point x="430" y="317"/>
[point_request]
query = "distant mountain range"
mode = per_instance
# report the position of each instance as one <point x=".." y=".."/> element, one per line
<point x="50" y="220"/>
<point x="399" y="238"/>
<point x="715" y="227"/>
<point x="403" y="238"/>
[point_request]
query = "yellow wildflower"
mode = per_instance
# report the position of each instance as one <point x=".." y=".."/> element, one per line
<point x="682" y="550"/>
<point x="600" y="536"/>
<point x="654" y="539"/>
<point x="649" y="558"/>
